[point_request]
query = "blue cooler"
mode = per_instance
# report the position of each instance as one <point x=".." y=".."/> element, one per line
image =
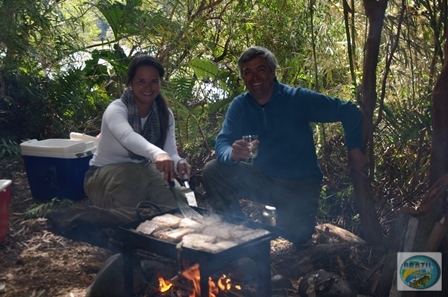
<point x="56" y="167"/>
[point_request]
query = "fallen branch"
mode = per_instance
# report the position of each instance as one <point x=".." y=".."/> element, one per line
<point x="433" y="194"/>
<point x="439" y="231"/>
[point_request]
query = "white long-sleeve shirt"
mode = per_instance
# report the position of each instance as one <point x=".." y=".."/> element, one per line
<point x="117" y="137"/>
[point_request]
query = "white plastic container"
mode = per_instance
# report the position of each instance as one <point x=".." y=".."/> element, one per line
<point x="84" y="137"/>
<point x="56" y="167"/>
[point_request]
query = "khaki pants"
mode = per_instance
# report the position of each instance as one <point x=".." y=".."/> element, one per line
<point x="296" y="201"/>
<point x="125" y="185"/>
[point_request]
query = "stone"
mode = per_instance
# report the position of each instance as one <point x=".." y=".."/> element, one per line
<point x="322" y="283"/>
<point x="242" y="270"/>
<point x="110" y="279"/>
<point x="91" y="224"/>
<point x="281" y="282"/>
<point x="281" y="286"/>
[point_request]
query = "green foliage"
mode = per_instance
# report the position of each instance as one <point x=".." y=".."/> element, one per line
<point x="61" y="65"/>
<point x="204" y="68"/>
<point x="405" y="147"/>
<point x="65" y="103"/>
<point x="9" y="149"/>
<point x="38" y="210"/>
<point x="121" y="17"/>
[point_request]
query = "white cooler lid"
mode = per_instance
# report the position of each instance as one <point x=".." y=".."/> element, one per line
<point x="84" y="137"/>
<point x="4" y="183"/>
<point x="57" y="148"/>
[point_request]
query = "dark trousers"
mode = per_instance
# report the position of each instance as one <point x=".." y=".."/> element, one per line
<point x="122" y="185"/>
<point x="296" y="201"/>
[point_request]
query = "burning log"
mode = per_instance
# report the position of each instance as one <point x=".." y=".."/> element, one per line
<point x="223" y="284"/>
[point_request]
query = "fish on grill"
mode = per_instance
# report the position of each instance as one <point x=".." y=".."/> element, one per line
<point x="211" y="233"/>
<point x="148" y="227"/>
<point x="190" y="223"/>
<point x="172" y="235"/>
<point x="168" y="219"/>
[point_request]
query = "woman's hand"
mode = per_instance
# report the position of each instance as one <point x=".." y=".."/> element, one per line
<point x="183" y="167"/>
<point x="166" y="165"/>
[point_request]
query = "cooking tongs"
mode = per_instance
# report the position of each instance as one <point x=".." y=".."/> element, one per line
<point x="185" y="209"/>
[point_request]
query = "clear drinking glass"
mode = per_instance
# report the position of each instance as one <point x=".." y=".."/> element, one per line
<point x="253" y="146"/>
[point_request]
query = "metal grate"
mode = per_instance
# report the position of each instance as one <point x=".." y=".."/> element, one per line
<point x="257" y="249"/>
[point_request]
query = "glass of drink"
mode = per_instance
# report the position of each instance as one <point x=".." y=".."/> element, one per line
<point x="253" y="145"/>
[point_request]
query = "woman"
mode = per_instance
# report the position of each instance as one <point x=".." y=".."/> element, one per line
<point x="136" y="153"/>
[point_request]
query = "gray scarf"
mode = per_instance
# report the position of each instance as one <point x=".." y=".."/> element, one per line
<point x="151" y="129"/>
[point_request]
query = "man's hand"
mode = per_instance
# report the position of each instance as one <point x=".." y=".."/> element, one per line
<point x="241" y="150"/>
<point x="166" y="165"/>
<point x="358" y="162"/>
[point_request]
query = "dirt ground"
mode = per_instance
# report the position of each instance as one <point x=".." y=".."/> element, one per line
<point x="35" y="262"/>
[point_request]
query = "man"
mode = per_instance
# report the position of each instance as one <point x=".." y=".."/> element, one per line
<point x="286" y="173"/>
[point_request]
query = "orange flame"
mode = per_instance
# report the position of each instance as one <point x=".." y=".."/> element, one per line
<point x="223" y="284"/>
<point x="164" y="285"/>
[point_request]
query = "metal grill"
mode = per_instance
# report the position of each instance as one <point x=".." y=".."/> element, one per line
<point x="257" y="249"/>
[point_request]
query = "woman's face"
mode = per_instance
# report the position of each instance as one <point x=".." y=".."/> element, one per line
<point x="145" y="86"/>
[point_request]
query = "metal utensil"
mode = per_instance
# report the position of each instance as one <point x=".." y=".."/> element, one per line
<point x="185" y="209"/>
<point x="189" y="194"/>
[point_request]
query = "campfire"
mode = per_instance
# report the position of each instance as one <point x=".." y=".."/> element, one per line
<point x="164" y="286"/>
<point x="197" y="243"/>
<point x="222" y="285"/>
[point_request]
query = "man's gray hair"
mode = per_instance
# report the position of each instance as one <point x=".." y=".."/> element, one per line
<point x="255" y="51"/>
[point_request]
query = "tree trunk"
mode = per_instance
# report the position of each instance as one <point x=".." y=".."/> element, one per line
<point x="364" y="201"/>
<point x="439" y="156"/>
<point x="439" y="147"/>
<point x="435" y="207"/>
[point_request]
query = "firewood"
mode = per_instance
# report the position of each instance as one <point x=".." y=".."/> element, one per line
<point x="433" y="194"/>
<point x="337" y="234"/>
<point x="439" y="231"/>
<point x="407" y="242"/>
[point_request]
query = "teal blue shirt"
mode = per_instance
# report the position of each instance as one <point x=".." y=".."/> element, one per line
<point x="283" y="126"/>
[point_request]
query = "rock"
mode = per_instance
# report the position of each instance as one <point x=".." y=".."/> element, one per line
<point x="110" y="279"/>
<point x="242" y="270"/>
<point x="281" y="286"/>
<point x="281" y="282"/>
<point x="153" y="268"/>
<point x="321" y="283"/>
<point x="91" y="224"/>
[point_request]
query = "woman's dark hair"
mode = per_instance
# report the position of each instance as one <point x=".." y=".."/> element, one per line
<point x="162" y="105"/>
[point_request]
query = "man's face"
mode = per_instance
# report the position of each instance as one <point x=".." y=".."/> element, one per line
<point x="259" y="79"/>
